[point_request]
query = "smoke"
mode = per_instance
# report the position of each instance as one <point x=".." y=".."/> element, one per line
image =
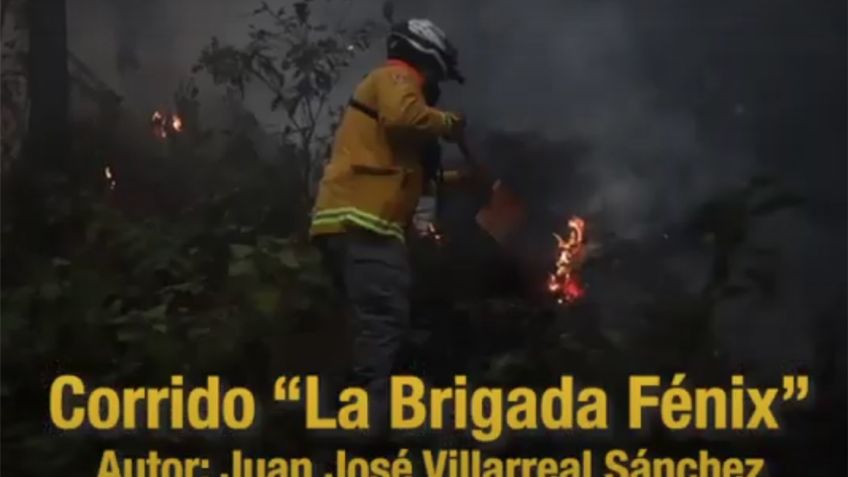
<point x="558" y="69"/>
<point x="576" y="70"/>
<point x="675" y="102"/>
<point x="144" y="50"/>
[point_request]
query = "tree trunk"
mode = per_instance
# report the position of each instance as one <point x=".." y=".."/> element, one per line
<point x="48" y="136"/>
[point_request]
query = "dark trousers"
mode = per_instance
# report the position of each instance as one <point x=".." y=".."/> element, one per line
<point x="372" y="273"/>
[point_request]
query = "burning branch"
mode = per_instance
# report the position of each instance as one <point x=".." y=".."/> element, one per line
<point x="565" y="282"/>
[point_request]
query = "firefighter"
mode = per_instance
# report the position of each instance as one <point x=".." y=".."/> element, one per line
<point x="369" y="192"/>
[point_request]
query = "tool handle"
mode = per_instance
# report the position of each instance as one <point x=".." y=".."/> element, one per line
<point x="466" y="152"/>
<point x="477" y="168"/>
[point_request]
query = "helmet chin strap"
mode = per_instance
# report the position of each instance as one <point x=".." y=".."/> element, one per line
<point x="432" y="92"/>
<point x="454" y="74"/>
<point x="430" y="76"/>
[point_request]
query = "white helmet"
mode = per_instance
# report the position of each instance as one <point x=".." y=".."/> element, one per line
<point x="423" y="44"/>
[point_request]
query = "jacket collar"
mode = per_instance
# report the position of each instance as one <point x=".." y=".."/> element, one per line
<point x="419" y="78"/>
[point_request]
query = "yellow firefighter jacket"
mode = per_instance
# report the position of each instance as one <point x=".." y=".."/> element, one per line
<point x="374" y="177"/>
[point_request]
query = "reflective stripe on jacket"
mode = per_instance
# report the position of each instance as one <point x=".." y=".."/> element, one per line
<point x="374" y="177"/>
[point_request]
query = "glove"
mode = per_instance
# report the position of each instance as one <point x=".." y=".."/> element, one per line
<point x="456" y="126"/>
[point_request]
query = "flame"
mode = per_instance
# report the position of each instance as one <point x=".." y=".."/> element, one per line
<point x="157" y="120"/>
<point x="164" y="124"/>
<point x="110" y="178"/>
<point x="565" y="282"/>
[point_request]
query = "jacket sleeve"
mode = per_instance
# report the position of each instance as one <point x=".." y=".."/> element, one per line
<point x="401" y="106"/>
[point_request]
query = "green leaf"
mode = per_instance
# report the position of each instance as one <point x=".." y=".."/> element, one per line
<point x="240" y="251"/>
<point x="265" y="300"/>
<point x="268" y="241"/>
<point x="122" y="319"/>
<point x="288" y="259"/>
<point x="191" y="288"/>
<point x="157" y="312"/>
<point x="239" y="268"/>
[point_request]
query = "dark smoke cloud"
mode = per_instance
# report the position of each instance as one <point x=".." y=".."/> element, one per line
<point x="575" y="69"/>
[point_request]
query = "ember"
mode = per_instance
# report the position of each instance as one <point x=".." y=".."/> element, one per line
<point x="165" y="124"/>
<point x="110" y="178"/>
<point x="565" y="282"/>
<point x="431" y="232"/>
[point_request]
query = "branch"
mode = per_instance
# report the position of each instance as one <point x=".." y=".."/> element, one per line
<point x="305" y="132"/>
<point x="321" y="105"/>
<point x="310" y="114"/>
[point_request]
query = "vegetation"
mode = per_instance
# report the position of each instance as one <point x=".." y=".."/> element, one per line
<point x="299" y="61"/>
